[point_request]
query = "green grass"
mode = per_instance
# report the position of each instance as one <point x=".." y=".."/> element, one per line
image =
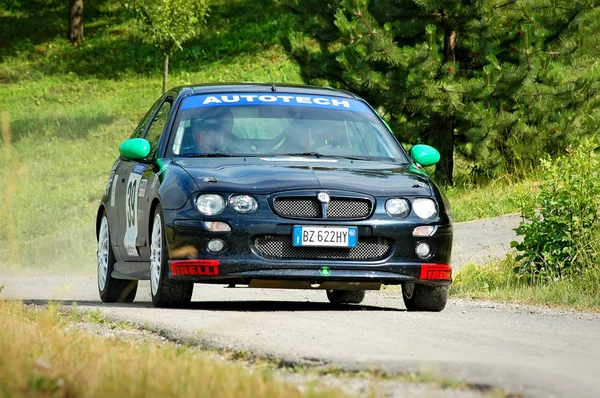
<point x="497" y="281"/>
<point x="44" y="355"/>
<point x="504" y="195"/>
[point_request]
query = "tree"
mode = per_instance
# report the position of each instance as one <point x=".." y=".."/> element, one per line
<point x="402" y="56"/>
<point x="76" y="21"/>
<point x="463" y="76"/>
<point x="169" y="23"/>
<point x="544" y="77"/>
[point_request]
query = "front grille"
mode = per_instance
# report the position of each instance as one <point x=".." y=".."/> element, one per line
<point x="348" y="208"/>
<point x="280" y="247"/>
<point x="298" y="207"/>
<point x="310" y="207"/>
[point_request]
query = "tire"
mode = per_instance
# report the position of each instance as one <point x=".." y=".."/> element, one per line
<point x="165" y="292"/>
<point x="111" y="290"/>
<point x="345" y="296"/>
<point x="423" y="297"/>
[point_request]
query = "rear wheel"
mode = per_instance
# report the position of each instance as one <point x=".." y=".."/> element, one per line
<point x="346" y="296"/>
<point x="111" y="290"/>
<point x="423" y="297"/>
<point x="165" y="292"/>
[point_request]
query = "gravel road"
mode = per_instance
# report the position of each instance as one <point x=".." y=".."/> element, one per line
<point x="531" y="351"/>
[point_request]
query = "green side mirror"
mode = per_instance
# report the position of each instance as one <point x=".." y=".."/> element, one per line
<point x="135" y="148"/>
<point x="425" y="155"/>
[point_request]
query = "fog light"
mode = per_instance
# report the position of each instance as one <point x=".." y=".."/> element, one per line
<point x="217" y="226"/>
<point x="424" y="230"/>
<point x="423" y="250"/>
<point x="216" y="245"/>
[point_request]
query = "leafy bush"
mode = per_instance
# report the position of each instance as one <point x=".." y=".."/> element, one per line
<point x="561" y="240"/>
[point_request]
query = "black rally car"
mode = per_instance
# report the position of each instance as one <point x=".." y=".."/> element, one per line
<point x="271" y="187"/>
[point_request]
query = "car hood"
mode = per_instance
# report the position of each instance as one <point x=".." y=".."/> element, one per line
<point x="270" y="175"/>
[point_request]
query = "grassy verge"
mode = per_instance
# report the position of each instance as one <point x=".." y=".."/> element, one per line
<point x="500" y="196"/>
<point x="40" y="357"/>
<point x="497" y="281"/>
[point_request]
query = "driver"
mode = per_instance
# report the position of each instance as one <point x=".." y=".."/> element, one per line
<point x="208" y="135"/>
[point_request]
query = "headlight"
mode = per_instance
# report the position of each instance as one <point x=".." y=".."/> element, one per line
<point x="424" y="208"/>
<point x="210" y="204"/>
<point x="397" y="207"/>
<point x="243" y="203"/>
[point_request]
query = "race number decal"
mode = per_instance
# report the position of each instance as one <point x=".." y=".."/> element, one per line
<point x="142" y="190"/>
<point x="113" y="190"/>
<point x="131" y="209"/>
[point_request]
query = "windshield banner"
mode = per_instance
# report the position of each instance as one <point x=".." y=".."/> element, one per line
<point x="249" y="99"/>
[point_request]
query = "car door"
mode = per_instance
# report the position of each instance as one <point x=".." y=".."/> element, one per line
<point x="134" y="204"/>
<point x="119" y="173"/>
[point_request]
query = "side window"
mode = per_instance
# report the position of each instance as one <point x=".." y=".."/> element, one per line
<point x="157" y="127"/>
<point x="137" y="133"/>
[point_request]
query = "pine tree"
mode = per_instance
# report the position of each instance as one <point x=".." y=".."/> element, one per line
<point x="403" y="57"/>
<point x="459" y="75"/>
<point x="545" y="78"/>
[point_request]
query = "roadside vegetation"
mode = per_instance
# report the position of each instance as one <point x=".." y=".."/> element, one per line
<point x="505" y="195"/>
<point x="558" y="260"/>
<point x="44" y="354"/>
<point x="498" y="281"/>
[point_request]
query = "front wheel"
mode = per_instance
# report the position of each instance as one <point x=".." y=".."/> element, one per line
<point x="345" y="296"/>
<point x="111" y="290"/>
<point x="424" y="297"/>
<point x="165" y="292"/>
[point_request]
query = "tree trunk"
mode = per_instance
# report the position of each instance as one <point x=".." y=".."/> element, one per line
<point x="445" y="167"/>
<point x="166" y="73"/>
<point x="445" y="142"/>
<point x="76" y="21"/>
<point x="449" y="43"/>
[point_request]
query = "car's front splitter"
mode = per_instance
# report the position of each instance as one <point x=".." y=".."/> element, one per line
<point x="227" y="272"/>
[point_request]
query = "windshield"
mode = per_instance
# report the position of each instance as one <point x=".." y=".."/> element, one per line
<point x="280" y="125"/>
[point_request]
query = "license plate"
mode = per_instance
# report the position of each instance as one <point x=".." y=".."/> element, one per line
<point x="305" y="235"/>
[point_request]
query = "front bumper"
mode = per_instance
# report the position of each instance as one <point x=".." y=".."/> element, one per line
<point x="243" y="261"/>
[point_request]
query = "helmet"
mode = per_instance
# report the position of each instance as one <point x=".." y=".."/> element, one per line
<point x="221" y="116"/>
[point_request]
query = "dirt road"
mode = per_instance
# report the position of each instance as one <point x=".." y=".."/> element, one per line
<point x="530" y="351"/>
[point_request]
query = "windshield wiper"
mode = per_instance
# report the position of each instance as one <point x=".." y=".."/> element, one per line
<point x="322" y="155"/>
<point x="348" y="157"/>
<point x="315" y="154"/>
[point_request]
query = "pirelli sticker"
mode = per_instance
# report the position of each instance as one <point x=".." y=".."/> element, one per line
<point x="440" y="272"/>
<point x="195" y="268"/>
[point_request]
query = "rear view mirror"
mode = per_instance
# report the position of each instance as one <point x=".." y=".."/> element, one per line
<point x="135" y="148"/>
<point x="425" y="155"/>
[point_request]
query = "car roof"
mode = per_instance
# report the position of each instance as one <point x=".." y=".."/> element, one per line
<point x="266" y="88"/>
